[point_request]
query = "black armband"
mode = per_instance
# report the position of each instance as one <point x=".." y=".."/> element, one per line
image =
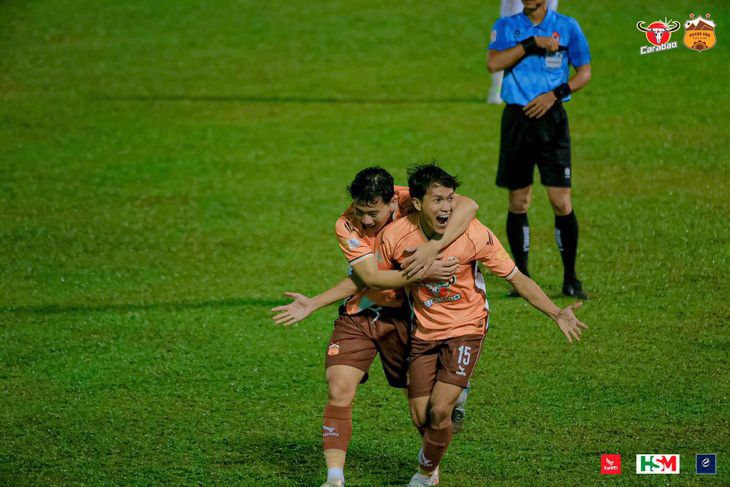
<point x="562" y="91"/>
<point x="530" y="46"/>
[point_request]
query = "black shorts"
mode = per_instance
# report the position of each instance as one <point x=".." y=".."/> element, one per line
<point x="527" y="141"/>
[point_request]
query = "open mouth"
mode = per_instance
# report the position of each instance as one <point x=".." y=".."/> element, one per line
<point x="442" y="220"/>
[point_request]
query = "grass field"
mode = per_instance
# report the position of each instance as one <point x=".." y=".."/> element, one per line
<point x="169" y="169"/>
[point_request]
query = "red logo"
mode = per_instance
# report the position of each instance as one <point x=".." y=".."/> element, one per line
<point x="658" y="32"/>
<point x="610" y="464"/>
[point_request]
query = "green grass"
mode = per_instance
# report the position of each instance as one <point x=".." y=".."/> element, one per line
<point x="164" y="164"/>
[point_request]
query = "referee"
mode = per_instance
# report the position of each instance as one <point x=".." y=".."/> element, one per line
<point x="535" y="48"/>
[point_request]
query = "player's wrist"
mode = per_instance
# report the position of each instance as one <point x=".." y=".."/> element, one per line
<point x="562" y="91"/>
<point x="530" y="46"/>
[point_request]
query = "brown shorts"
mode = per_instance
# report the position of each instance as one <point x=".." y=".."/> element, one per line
<point x="451" y="361"/>
<point x="357" y="339"/>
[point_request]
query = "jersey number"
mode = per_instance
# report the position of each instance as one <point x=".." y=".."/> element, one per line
<point x="464" y="355"/>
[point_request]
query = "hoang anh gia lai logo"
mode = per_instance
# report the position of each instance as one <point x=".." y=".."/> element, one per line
<point x="659" y="34"/>
<point x="699" y="33"/>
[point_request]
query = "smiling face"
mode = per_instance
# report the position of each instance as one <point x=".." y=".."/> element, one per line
<point x="435" y="209"/>
<point x="373" y="216"/>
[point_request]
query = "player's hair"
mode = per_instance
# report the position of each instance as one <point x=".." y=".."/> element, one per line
<point x="422" y="176"/>
<point x="370" y="184"/>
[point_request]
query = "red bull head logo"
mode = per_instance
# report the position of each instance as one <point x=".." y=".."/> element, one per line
<point x="658" y="33"/>
<point x="437" y="289"/>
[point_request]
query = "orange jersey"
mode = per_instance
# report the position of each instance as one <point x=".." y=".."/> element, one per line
<point x="357" y="246"/>
<point x="451" y="308"/>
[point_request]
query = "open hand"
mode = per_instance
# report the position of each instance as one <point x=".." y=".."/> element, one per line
<point x="441" y="270"/>
<point x="569" y="324"/>
<point x="423" y="256"/>
<point x="295" y="311"/>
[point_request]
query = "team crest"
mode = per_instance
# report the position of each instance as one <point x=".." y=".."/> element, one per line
<point x="659" y="35"/>
<point x="699" y="33"/>
<point x="333" y="349"/>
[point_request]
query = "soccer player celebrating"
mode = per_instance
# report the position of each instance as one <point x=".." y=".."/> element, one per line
<point x="452" y="315"/>
<point x="536" y="49"/>
<point x="374" y="318"/>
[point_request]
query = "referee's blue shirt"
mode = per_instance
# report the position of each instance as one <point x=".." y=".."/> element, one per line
<point x="535" y="75"/>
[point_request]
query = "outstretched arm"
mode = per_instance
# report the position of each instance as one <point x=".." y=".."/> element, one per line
<point x="564" y="318"/>
<point x="303" y="306"/>
<point x="425" y="254"/>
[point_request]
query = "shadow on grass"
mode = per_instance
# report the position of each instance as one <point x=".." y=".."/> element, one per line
<point x="174" y="305"/>
<point x="297" y="99"/>
<point x="302" y="462"/>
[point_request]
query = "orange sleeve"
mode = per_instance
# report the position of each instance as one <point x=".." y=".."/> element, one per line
<point x="353" y="246"/>
<point x="384" y="252"/>
<point x="405" y="204"/>
<point x="489" y="251"/>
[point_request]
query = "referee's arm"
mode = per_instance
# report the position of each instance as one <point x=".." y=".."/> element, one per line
<point x="500" y="60"/>
<point x="581" y="77"/>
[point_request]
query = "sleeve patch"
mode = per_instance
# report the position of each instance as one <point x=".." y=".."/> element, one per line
<point x="494" y="35"/>
<point x="353" y="243"/>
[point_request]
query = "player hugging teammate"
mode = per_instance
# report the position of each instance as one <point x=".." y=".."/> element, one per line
<point x="450" y="311"/>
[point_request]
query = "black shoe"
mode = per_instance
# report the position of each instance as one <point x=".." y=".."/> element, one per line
<point x="574" y="289"/>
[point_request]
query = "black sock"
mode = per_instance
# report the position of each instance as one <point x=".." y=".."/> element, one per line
<point x="518" y="235"/>
<point x="566" y="236"/>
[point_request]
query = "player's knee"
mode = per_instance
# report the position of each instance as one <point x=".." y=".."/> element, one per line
<point x="440" y="414"/>
<point x="419" y="418"/>
<point x="418" y="421"/>
<point x="341" y="393"/>
<point x="519" y="203"/>
<point x="561" y="207"/>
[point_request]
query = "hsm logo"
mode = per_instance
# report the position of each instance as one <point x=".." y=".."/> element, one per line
<point x="657" y="464"/>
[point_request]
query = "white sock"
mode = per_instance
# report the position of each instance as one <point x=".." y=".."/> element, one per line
<point x="335" y="473"/>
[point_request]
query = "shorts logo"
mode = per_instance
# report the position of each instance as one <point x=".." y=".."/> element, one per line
<point x="610" y="464"/>
<point x="353" y="243"/>
<point x="706" y="464"/>
<point x="658" y="33"/>
<point x="567" y="173"/>
<point x="327" y="431"/>
<point x="333" y="349"/>
<point x="657" y="464"/>
<point x="699" y="33"/>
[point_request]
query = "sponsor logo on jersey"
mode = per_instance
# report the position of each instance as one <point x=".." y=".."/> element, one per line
<point x="706" y="463"/>
<point x="699" y="33"/>
<point x="610" y="464"/>
<point x="659" y="35"/>
<point x="440" y="290"/>
<point x="655" y="464"/>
